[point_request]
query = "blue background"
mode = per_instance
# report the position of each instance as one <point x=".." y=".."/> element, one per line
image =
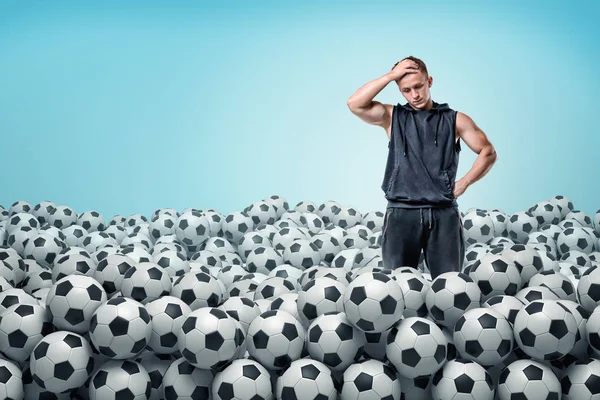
<point x="126" y="107"/>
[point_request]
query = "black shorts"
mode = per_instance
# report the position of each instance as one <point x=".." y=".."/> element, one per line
<point x="438" y="232"/>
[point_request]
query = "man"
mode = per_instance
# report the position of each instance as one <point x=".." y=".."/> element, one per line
<point x="419" y="179"/>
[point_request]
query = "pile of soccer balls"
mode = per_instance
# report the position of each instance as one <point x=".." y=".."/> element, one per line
<point x="273" y="303"/>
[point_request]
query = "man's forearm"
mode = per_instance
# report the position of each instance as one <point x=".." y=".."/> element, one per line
<point x="365" y="95"/>
<point x="484" y="162"/>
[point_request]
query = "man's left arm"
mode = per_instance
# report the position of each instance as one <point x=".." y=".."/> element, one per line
<point x="477" y="141"/>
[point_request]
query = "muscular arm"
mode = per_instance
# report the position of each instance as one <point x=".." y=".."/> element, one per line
<point x="477" y="141"/>
<point x="373" y="112"/>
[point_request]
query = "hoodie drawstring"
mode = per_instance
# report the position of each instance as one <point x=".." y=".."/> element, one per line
<point x="435" y="110"/>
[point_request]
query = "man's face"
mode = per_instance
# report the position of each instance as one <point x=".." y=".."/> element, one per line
<point x="415" y="89"/>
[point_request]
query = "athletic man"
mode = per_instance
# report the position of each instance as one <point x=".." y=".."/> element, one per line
<point x="424" y="145"/>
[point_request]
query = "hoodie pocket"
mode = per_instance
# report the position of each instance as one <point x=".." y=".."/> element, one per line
<point x="391" y="180"/>
<point x="448" y="182"/>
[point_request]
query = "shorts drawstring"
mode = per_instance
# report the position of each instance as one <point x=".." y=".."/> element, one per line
<point x="430" y="218"/>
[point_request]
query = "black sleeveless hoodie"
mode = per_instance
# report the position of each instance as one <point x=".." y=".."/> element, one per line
<point x="423" y="158"/>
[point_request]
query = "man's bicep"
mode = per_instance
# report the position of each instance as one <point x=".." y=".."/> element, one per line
<point x="471" y="134"/>
<point x="376" y="114"/>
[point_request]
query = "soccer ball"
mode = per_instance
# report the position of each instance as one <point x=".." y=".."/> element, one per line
<point x="555" y="281"/>
<point x="496" y="275"/>
<point x="337" y="274"/>
<point x="415" y="389"/>
<point x="580" y="380"/>
<point x="42" y="210"/>
<point x="370" y="379"/>
<point x="192" y="228"/>
<point x="593" y="330"/>
<point x="327" y="210"/>
<point x="173" y="262"/>
<point x="532" y="293"/>
<point x="546" y="212"/>
<point x="72" y="301"/>
<point x="91" y="221"/>
<point x="287" y="302"/>
<point x="261" y="212"/>
<point x="335" y="342"/>
<point x="375" y="345"/>
<point x="242" y="309"/>
<point x="14" y="296"/>
<point x="251" y="240"/>
<point x="416" y="347"/>
<point x="137" y="253"/>
<point x="450" y="295"/>
<point x="145" y="282"/>
<point x="198" y="289"/>
<point x="235" y="225"/>
<point x="43" y="248"/>
<point x="319" y="296"/>
<point x="312" y="221"/>
<point x="242" y="288"/>
<point x="36" y="280"/>
<point x="11" y="381"/>
<point x="520" y="225"/>
<point x="22" y="326"/>
<point x="545" y="330"/>
<point x="119" y="379"/>
<point x="302" y="253"/>
<point x="120" y="328"/>
<point x="526" y="258"/>
<point x="478" y="227"/>
<point x="156" y="365"/>
<point x="162" y="224"/>
<point x="328" y="246"/>
<point x="94" y="241"/>
<point x="168" y="314"/>
<point x="286" y="271"/>
<point x="588" y="289"/>
<point x="61" y="361"/>
<point x="581" y="317"/>
<point x="275" y="339"/>
<point x="306" y="379"/>
<point x="575" y="238"/>
<point x="231" y="273"/>
<point x="209" y="338"/>
<point x="111" y="270"/>
<point x="117" y="232"/>
<point x="72" y="264"/>
<point x="62" y="217"/>
<point x="263" y="259"/>
<point x="483" y="335"/>
<point x="462" y="379"/>
<point x="184" y="381"/>
<point x="373" y="302"/>
<point x="273" y="287"/>
<point x="528" y="379"/>
<point x="414" y="289"/>
<point x="18" y="238"/>
<point x="242" y="379"/>
<point x="508" y="306"/>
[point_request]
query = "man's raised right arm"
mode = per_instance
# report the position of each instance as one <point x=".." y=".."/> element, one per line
<point x="363" y="106"/>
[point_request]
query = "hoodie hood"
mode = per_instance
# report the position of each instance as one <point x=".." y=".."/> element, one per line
<point x="437" y="109"/>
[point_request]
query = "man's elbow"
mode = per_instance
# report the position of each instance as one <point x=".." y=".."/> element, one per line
<point x="490" y="152"/>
